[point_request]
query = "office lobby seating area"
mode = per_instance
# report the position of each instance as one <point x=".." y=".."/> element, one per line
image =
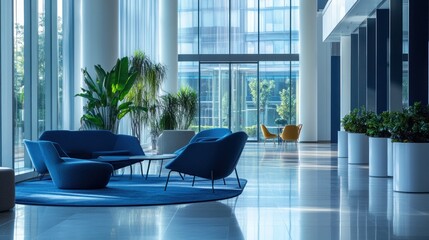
<point x="305" y="192"/>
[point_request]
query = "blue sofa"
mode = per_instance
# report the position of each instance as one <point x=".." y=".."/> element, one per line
<point x="98" y="145"/>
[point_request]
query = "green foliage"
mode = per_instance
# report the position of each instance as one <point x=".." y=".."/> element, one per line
<point x="377" y="125"/>
<point x="355" y="121"/>
<point x="145" y="93"/>
<point x="280" y="121"/>
<point x="105" y="106"/>
<point x="251" y="131"/>
<point x="411" y="125"/>
<point x="283" y="108"/>
<point x="287" y="105"/>
<point x="187" y="107"/>
<point x="168" y="120"/>
<point x="265" y="89"/>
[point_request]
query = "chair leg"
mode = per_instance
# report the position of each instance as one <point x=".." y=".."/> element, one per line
<point x="224" y="183"/>
<point x="168" y="178"/>
<point x="141" y="169"/>
<point x="212" y="182"/>
<point x="193" y="181"/>
<point x="160" y="169"/>
<point x="238" y="180"/>
<point x="183" y="177"/>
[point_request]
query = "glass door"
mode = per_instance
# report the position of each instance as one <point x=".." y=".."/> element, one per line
<point x="214" y="95"/>
<point x="244" y="98"/>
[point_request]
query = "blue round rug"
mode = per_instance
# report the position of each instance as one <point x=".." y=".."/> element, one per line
<point x="124" y="191"/>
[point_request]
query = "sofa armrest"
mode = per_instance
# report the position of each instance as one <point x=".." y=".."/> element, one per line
<point x="129" y="143"/>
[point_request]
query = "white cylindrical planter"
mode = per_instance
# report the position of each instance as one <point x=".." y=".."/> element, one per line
<point x="389" y="158"/>
<point x="342" y="144"/>
<point x="358" y="148"/>
<point x="408" y="217"/>
<point x="378" y="157"/>
<point x="411" y="166"/>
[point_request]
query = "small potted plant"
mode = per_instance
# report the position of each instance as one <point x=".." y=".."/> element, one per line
<point x="280" y="121"/>
<point x="379" y="134"/>
<point x="410" y="136"/>
<point x="355" y="124"/>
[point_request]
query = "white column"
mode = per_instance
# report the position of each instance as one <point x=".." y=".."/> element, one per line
<point x="168" y="42"/>
<point x="100" y="33"/>
<point x="6" y="80"/>
<point x="345" y="75"/>
<point x="96" y="41"/>
<point x="308" y="70"/>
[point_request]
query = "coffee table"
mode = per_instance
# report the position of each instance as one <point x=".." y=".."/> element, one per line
<point x="150" y="158"/>
<point x="120" y="162"/>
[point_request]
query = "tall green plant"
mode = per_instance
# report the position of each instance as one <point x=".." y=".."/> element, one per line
<point x="168" y="115"/>
<point x="145" y="92"/>
<point x="105" y="106"/>
<point x="186" y="107"/>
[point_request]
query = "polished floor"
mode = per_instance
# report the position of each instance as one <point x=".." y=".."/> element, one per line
<point x="298" y="191"/>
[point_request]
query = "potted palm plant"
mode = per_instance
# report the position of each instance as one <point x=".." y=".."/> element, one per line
<point x="355" y="125"/>
<point x="410" y="136"/>
<point x="105" y="95"/>
<point x="379" y="134"/>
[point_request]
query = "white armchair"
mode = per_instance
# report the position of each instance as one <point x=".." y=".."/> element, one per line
<point x="171" y="140"/>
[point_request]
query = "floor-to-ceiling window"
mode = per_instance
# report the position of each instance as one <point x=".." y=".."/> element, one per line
<point x="242" y="57"/>
<point x="18" y="81"/>
<point x="31" y="106"/>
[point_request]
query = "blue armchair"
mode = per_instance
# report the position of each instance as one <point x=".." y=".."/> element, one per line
<point x="210" y="159"/>
<point x="71" y="174"/>
<point x="206" y="135"/>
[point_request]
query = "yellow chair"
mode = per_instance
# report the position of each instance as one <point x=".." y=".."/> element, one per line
<point x="291" y="133"/>
<point x="267" y="134"/>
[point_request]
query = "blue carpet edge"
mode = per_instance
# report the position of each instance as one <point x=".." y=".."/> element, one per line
<point x="235" y="191"/>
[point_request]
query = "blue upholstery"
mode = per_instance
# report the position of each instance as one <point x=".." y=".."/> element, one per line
<point x="93" y="143"/>
<point x="36" y="157"/>
<point x="75" y="174"/>
<point x="207" y="135"/>
<point x="210" y="159"/>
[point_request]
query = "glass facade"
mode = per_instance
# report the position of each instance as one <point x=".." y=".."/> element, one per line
<point x="35" y="75"/>
<point x="231" y="56"/>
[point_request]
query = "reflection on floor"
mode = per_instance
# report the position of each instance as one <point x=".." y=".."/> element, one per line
<point x="294" y="192"/>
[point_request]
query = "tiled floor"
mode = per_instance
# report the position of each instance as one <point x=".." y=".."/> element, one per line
<point x="293" y="192"/>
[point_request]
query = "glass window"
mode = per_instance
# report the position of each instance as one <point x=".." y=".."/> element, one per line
<point x="41" y="78"/>
<point x="274" y="27"/>
<point x="60" y="64"/>
<point x="18" y="83"/>
<point x="244" y="25"/>
<point x="214" y="95"/>
<point x="244" y="111"/>
<point x="294" y="27"/>
<point x="188" y="27"/>
<point x="214" y="27"/>
<point x="188" y="75"/>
